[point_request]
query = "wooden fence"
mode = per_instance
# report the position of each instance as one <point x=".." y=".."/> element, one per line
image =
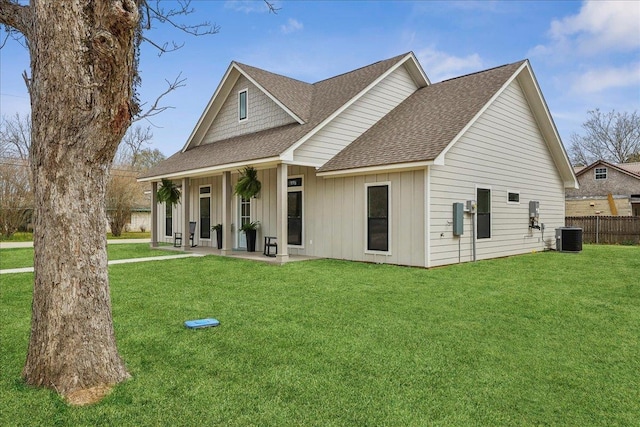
<point x="607" y="229"/>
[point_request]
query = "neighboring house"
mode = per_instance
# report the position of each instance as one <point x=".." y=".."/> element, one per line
<point x="367" y="165"/>
<point x="605" y="189"/>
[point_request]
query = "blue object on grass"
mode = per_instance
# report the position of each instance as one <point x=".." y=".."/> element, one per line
<point x="201" y="323"/>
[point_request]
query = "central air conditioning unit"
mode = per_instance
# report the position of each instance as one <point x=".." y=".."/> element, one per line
<point x="569" y="239"/>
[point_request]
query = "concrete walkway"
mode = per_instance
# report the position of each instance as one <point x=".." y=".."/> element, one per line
<point x="14" y="245"/>
<point x="112" y="262"/>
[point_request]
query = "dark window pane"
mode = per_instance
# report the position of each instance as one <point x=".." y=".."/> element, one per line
<point x="294" y="220"/>
<point x="168" y="222"/>
<point x="205" y="217"/>
<point x="484" y="213"/>
<point x="378" y="218"/>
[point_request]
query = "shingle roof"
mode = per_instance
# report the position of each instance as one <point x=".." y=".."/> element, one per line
<point x="425" y="123"/>
<point x="326" y="97"/>
<point x="294" y="94"/>
<point x="632" y="168"/>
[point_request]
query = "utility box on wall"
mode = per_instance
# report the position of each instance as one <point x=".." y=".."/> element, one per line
<point x="458" y="219"/>
<point x="534" y="209"/>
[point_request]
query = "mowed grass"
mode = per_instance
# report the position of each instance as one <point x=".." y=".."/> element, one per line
<point x="538" y="339"/>
<point x="23" y="257"/>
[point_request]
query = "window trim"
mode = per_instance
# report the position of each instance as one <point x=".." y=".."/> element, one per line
<point x="295" y="189"/>
<point x="368" y="251"/>
<point x="600" y="173"/>
<point x="484" y="187"/>
<point x="509" y="193"/>
<point x="246" y="105"/>
<point x="200" y="197"/>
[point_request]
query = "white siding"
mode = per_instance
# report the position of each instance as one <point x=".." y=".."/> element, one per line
<point x="262" y="113"/>
<point x="356" y="119"/>
<point x="504" y="151"/>
<point x="176" y="221"/>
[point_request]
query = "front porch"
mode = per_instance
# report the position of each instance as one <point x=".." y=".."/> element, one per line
<point x="252" y="256"/>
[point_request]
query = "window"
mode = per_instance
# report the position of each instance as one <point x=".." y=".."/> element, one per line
<point x="168" y="220"/>
<point x="205" y="212"/>
<point x="378" y="217"/>
<point x="601" y="173"/>
<point x="484" y="213"/>
<point x="513" y="197"/>
<point x="242" y="105"/>
<point x="294" y="211"/>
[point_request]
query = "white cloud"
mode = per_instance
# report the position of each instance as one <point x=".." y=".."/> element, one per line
<point x="291" y="26"/>
<point x="600" y="26"/>
<point x="599" y="80"/>
<point x="440" y="66"/>
<point x="246" y="6"/>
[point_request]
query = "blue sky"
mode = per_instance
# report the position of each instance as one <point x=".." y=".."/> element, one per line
<point x="585" y="55"/>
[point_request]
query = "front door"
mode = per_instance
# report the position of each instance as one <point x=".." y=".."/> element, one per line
<point x="244" y="217"/>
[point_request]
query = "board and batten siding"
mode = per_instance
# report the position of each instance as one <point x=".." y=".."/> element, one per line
<point x="334" y="215"/>
<point x="356" y="119"/>
<point x="262" y="113"/>
<point x="505" y="152"/>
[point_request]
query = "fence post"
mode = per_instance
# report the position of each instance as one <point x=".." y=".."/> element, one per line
<point x="597" y="229"/>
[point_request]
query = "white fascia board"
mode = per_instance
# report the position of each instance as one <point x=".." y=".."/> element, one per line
<point x="417" y="72"/>
<point x="371" y="170"/>
<point x="274" y="99"/>
<point x="291" y="149"/>
<point x="208" y="115"/>
<point x="214" y="170"/>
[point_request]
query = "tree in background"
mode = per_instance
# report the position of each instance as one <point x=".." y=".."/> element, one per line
<point x="612" y="136"/>
<point x="16" y="190"/>
<point x="124" y="192"/>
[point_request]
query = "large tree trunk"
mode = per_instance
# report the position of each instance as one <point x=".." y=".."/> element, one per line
<point x="83" y="65"/>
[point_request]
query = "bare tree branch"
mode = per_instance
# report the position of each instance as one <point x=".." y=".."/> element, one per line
<point x="155" y="12"/>
<point x="15" y="15"/>
<point x="155" y="107"/>
<point x="611" y="136"/>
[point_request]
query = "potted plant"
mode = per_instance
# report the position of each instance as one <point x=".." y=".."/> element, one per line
<point x="248" y="184"/>
<point x="251" y="230"/>
<point x="218" y="229"/>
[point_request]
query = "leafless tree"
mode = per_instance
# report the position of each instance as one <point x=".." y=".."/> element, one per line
<point x="82" y="86"/>
<point x="15" y="136"/>
<point x="612" y="136"/>
<point x="16" y="197"/>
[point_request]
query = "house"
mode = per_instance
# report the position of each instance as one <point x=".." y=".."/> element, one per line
<point x="374" y="165"/>
<point x="605" y="189"/>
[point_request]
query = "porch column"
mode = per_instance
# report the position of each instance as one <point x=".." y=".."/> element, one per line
<point x="281" y="213"/>
<point x="186" y="202"/>
<point x="154" y="214"/>
<point x="227" y="245"/>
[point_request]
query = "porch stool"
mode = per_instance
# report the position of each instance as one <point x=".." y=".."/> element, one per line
<point x="177" y="240"/>
<point x="270" y="242"/>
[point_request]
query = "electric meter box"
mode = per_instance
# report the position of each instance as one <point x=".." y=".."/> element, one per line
<point x="470" y="206"/>
<point x="458" y="219"/>
<point x="534" y="209"/>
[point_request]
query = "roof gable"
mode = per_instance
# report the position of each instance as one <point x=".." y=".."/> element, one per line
<point x="326" y="98"/>
<point x="425" y="124"/>
<point x="631" y="169"/>
<point x="422" y="129"/>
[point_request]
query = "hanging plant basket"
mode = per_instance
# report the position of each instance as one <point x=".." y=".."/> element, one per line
<point x="248" y="184"/>
<point x="168" y="192"/>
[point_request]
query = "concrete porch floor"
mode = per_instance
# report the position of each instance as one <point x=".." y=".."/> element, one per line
<point x="253" y="256"/>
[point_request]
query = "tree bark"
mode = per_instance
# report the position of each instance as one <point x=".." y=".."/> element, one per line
<point x="81" y="88"/>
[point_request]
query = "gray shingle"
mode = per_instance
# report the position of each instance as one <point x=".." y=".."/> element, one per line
<point x="425" y="123"/>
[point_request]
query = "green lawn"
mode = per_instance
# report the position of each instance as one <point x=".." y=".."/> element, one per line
<point x="538" y="339"/>
<point x="23" y="257"/>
